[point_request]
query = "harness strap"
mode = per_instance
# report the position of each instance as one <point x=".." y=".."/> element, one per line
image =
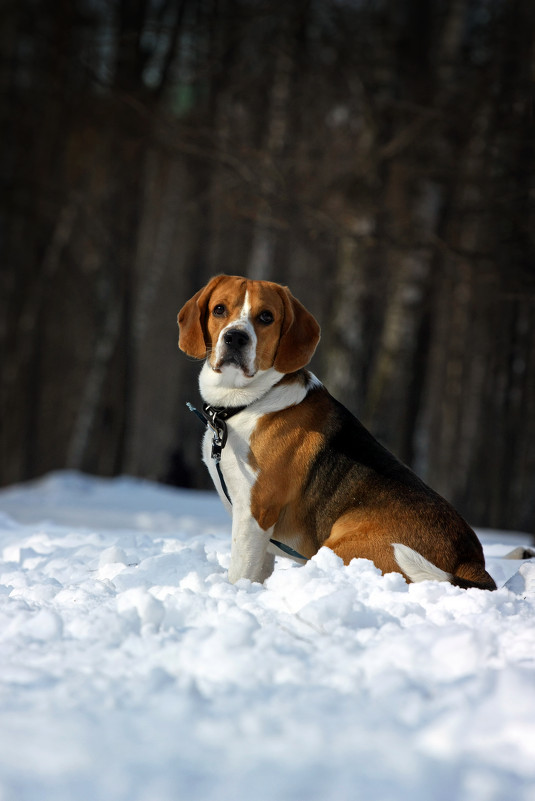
<point x="215" y="418"/>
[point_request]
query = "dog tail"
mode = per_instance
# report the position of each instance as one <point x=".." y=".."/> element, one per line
<point x="417" y="568"/>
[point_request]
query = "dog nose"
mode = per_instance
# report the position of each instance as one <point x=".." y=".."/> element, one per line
<point x="236" y="338"/>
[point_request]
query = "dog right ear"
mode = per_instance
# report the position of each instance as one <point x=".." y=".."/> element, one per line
<point x="192" y="321"/>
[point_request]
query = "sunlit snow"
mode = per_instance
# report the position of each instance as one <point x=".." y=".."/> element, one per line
<point x="131" y="670"/>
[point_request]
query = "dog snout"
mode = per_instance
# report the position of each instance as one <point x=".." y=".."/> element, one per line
<point x="236" y="338"/>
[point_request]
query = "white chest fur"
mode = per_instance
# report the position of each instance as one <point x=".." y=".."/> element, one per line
<point x="249" y="553"/>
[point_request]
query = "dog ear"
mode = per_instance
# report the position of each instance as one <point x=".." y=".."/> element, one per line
<point x="300" y="335"/>
<point x="192" y="321"/>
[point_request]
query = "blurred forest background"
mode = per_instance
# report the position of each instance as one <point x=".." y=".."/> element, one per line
<point x="378" y="157"/>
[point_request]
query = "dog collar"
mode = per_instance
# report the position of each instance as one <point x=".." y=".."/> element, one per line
<point x="220" y="413"/>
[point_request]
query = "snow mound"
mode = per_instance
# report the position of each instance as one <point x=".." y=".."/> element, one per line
<point x="131" y="670"/>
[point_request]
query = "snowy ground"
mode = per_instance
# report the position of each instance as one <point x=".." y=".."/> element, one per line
<point x="131" y="670"/>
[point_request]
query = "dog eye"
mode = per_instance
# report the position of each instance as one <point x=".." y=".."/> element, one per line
<point x="219" y="310"/>
<point x="265" y="317"/>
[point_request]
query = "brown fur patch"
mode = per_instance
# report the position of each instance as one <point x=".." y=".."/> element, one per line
<point x="324" y="480"/>
<point x="282" y="448"/>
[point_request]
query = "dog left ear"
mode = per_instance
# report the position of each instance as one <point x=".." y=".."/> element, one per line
<point x="300" y="335"/>
<point x="191" y="321"/>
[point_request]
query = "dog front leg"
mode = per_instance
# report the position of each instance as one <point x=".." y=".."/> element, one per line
<point x="248" y="556"/>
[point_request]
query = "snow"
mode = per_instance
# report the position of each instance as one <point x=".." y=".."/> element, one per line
<point x="131" y="670"/>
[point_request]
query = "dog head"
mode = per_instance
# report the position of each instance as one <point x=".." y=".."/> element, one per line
<point x="244" y="327"/>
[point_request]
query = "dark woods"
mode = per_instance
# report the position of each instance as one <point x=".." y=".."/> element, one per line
<point x="378" y="157"/>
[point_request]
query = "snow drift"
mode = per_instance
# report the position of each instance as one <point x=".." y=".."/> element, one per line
<point x="131" y="670"/>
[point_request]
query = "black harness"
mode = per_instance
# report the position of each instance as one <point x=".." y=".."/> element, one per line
<point x="216" y="418"/>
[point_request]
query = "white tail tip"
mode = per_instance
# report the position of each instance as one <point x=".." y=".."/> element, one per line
<point x="416" y="566"/>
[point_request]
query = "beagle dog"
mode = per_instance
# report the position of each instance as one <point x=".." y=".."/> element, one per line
<point x="298" y="471"/>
